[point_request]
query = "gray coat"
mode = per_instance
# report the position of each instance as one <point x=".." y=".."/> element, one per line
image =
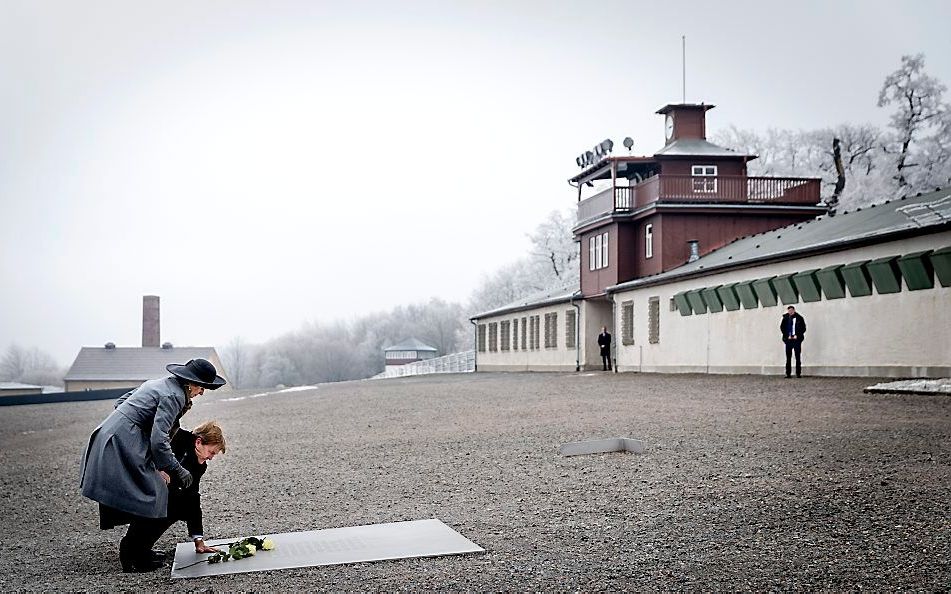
<point x="124" y="451"/>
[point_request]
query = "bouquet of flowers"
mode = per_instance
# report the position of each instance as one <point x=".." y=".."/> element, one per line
<point x="246" y="547"/>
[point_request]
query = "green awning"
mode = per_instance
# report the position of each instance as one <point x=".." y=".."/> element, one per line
<point x="941" y="262"/>
<point x="786" y="289"/>
<point x="917" y="271"/>
<point x="808" y="285"/>
<point x="765" y="291"/>
<point x="728" y="296"/>
<point x="747" y="295"/>
<point x="830" y="279"/>
<point x="711" y="298"/>
<point x="696" y="301"/>
<point x="885" y="275"/>
<point x="857" y="278"/>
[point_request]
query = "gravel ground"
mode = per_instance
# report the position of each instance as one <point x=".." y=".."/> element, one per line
<point x="748" y="483"/>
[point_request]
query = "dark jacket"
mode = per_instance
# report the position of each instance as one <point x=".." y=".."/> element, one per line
<point x="604" y="341"/>
<point x="185" y="504"/>
<point x="784" y="326"/>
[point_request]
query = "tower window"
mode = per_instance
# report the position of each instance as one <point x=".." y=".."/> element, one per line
<point x="598" y="251"/>
<point x="705" y="178"/>
<point x="649" y="241"/>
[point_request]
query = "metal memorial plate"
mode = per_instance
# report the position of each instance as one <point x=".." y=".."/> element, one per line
<point x="602" y="446"/>
<point x="331" y="546"/>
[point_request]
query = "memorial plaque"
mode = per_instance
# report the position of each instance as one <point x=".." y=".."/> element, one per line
<point x="603" y="446"/>
<point x="331" y="546"/>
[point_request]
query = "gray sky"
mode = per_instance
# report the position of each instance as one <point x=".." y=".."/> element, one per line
<point x="262" y="164"/>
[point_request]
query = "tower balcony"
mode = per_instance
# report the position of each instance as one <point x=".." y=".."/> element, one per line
<point x="693" y="189"/>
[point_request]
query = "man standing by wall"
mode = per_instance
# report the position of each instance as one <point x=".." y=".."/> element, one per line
<point x="793" y="327"/>
<point x="604" y="341"/>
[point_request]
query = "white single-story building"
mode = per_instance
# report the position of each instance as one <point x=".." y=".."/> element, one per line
<point x="873" y="285"/>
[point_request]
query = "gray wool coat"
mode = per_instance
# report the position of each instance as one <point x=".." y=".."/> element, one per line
<point x="120" y="464"/>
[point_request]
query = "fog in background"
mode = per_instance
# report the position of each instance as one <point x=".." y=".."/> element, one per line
<point x="263" y="165"/>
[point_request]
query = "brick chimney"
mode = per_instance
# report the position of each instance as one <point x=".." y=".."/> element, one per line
<point x="151" y="328"/>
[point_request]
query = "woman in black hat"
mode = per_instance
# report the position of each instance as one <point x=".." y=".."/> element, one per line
<point x="121" y="464"/>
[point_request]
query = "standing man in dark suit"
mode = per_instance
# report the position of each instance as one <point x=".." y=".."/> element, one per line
<point x="793" y="327"/>
<point x="604" y="341"/>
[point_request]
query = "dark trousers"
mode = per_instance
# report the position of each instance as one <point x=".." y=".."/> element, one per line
<point x="606" y="362"/>
<point x="142" y="534"/>
<point x="793" y="346"/>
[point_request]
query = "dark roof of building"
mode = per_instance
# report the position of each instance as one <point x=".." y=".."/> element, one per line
<point x="411" y="344"/>
<point x="892" y="219"/>
<point x="697" y="147"/>
<point x="132" y="363"/>
<point x="540" y="299"/>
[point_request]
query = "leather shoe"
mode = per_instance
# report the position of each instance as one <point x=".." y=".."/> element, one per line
<point x="158" y="555"/>
<point x="130" y="565"/>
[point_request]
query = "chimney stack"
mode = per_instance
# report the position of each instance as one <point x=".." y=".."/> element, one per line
<point x="694" y="250"/>
<point x="151" y="329"/>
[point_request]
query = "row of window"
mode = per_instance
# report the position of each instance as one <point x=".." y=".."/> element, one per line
<point x="505" y="335"/>
<point x="885" y="275"/>
<point x="598" y="251"/>
<point x="653" y="321"/>
<point x="598" y="248"/>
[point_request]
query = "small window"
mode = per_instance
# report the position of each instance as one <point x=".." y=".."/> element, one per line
<point x="524" y="334"/>
<point x="570" y="330"/>
<point x="515" y="334"/>
<point x="705" y="178"/>
<point x="551" y="330"/>
<point x="504" y="327"/>
<point x="538" y="332"/>
<point x="481" y="340"/>
<point x="653" y="320"/>
<point x="493" y="337"/>
<point x="649" y="241"/>
<point x="597" y="252"/>
<point x="627" y="322"/>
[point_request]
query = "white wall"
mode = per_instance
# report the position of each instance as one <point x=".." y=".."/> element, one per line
<point x="560" y="358"/>
<point x="900" y="334"/>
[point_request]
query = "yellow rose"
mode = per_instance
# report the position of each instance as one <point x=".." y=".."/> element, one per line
<point x="251" y="549"/>
<point x="268" y="544"/>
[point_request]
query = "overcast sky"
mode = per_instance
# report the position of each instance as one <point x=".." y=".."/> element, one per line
<point x="262" y="164"/>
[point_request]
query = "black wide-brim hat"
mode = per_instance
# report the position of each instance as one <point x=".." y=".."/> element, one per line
<point x="199" y="372"/>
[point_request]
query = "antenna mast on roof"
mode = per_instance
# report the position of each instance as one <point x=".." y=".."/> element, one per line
<point x="683" y="62"/>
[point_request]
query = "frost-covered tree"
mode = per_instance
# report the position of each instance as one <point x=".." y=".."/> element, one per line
<point x="919" y="123"/>
<point x="872" y="165"/>
<point x="552" y="262"/>
<point x="30" y="366"/>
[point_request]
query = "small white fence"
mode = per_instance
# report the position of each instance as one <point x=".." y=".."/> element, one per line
<point x="455" y="363"/>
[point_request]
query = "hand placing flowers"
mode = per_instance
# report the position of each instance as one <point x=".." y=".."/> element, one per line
<point x="246" y="547"/>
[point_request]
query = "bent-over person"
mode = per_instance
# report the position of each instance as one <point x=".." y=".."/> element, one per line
<point x="121" y="463"/>
<point x="193" y="449"/>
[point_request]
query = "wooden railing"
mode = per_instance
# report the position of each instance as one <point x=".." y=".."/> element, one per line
<point x="723" y="189"/>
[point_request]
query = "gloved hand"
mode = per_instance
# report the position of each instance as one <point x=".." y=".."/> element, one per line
<point x="184" y="477"/>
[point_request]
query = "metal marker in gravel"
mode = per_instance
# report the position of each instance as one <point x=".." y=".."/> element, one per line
<point x="332" y="546"/>
<point x="603" y="446"/>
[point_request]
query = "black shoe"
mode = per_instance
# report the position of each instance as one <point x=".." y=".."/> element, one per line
<point x="788" y="376"/>
<point x="158" y="555"/>
<point x="147" y="564"/>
